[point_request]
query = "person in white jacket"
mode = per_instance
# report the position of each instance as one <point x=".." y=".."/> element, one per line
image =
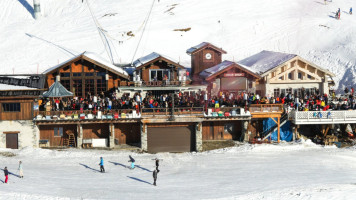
<point x="20" y="169"/>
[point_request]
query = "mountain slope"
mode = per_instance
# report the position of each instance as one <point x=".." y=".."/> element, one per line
<point x="242" y="28"/>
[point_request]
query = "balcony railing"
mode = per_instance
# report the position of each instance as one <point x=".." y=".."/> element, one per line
<point x="323" y="117"/>
<point x="86" y="115"/>
<point x="196" y="111"/>
<point x="154" y="83"/>
<point x="263" y="108"/>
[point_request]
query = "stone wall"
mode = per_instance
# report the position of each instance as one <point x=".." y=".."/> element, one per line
<point x="28" y="135"/>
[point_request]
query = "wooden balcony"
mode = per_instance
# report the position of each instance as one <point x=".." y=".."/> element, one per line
<point x="86" y="116"/>
<point x="155" y="83"/>
<point x="323" y="117"/>
<point x="266" y="110"/>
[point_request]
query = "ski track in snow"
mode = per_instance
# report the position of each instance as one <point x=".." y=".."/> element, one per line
<point x="299" y="170"/>
<point x="245" y="28"/>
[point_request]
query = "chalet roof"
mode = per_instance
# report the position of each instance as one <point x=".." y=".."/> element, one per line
<point x="92" y="57"/>
<point x="203" y="45"/>
<point x="140" y="62"/>
<point x="57" y="90"/>
<point x="7" y="87"/>
<point x="265" y="61"/>
<point x="212" y="71"/>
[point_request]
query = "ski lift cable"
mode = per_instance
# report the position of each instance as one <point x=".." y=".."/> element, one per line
<point x="101" y="33"/>
<point x="144" y="28"/>
<point x="148" y="35"/>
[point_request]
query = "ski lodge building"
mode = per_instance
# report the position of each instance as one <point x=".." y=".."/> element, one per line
<point x="170" y="128"/>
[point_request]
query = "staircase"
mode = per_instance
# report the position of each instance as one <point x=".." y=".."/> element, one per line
<point x="71" y="140"/>
<point x="272" y="129"/>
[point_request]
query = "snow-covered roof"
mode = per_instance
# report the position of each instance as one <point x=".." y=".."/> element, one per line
<point x="150" y="57"/>
<point x="212" y="70"/>
<point x="265" y="61"/>
<point x="18" y="77"/>
<point x="92" y="56"/>
<point x="6" y="87"/>
<point x="203" y="44"/>
<point x="222" y="66"/>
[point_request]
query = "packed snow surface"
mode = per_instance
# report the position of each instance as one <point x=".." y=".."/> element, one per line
<point x="286" y="171"/>
<point x="242" y="28"/>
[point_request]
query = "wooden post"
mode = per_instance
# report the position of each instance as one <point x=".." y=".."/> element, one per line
<point x="279" y="134"/>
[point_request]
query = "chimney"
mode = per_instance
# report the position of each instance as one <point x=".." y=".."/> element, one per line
<point x="37" y="9"/>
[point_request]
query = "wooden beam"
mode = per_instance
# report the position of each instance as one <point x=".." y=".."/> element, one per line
<point x="279" y="133"/>
<point x="274" y="120"/>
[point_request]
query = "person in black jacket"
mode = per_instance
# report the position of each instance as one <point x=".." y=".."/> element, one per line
<point x="157" y="164"/>
<point x="155" y="172"/>
<point x="6" y="172"/>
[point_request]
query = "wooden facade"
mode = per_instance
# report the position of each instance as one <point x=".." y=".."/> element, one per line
<point x="162" y="65"/>
<point x="82" y="75"/>
<point x="24" y="112"/>
<point x="47" y="132"/>
<point x="230" y="77"/>
<point x="128" y="133"/>
<point x="221" y="130"/>
<point x="96" y="131"/>
<point x="204" y="57"/>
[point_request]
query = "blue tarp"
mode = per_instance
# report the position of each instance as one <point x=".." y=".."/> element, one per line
<point x="285" y="130"/>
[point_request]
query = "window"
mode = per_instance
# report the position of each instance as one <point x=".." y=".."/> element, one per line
<point x="300" y="76"/>
<point x="229" y="128"/>
<point x="89" y="86"/>
<point x="312" y="91"/>
<point x="11" y="107"/>
<point x="77" y="74"/>
<point x="58" y="131"/>
<point x="309" y="77"/>
<point x="77" y="85"/>
<point x="89" y="74"/>
<point x="66" y="84"/>
<point x="159" y="74"/>
<point x="290" y="76"/>
<point x="289" y="90"/>
<point x="101" y="85"/>
<point x="276" y="92"/>
<point x="65" y="74"/>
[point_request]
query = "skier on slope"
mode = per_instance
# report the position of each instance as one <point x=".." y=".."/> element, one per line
<point x="20" y="169"/>
<point x="350" y="12"/>
<point x="102" y="170"/>
<point x="155" y="172"/>
<point x="157" y="164"/>
<point x="6" y="173"/>
<point x="132" y="162"/>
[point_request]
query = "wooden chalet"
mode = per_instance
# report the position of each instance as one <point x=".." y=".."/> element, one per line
<point x="229" y="77"/>
<point x="157" y="70"/>
<point x="204" y="56"/>
<point x="287" y="73"/>
<point x="86" y="73"/>
<point x="18" y="103"/>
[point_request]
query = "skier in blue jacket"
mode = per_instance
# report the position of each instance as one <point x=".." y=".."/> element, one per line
<point x="350" y="11"/>
<point x="102" y="165"/>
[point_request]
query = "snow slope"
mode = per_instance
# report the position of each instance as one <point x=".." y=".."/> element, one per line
<point x="242" y="28"/>
<point x="286" y="171"/>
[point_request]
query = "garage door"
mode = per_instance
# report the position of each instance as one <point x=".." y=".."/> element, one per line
<point x="12" y="141"/>
<point x="170" y="139"/>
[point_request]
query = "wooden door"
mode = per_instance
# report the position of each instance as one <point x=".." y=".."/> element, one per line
<point x="12" y="141"/>
<point x="170" y="139"/>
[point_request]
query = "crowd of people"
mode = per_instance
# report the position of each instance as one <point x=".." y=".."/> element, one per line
<point x="303" y="101"/>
